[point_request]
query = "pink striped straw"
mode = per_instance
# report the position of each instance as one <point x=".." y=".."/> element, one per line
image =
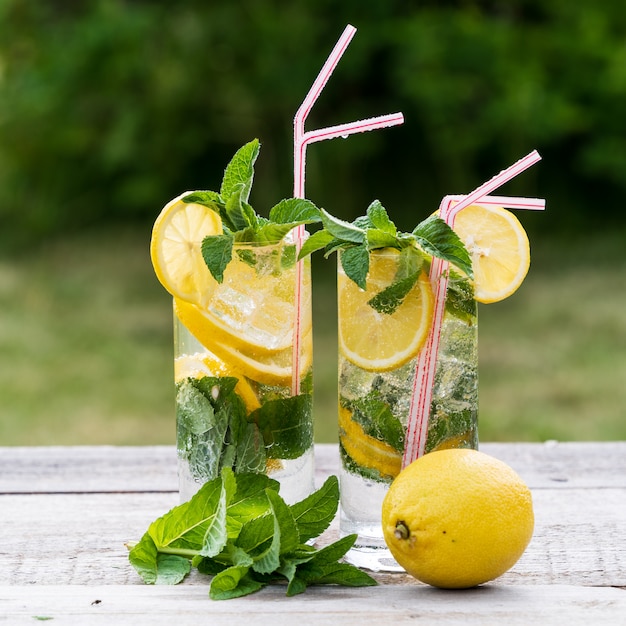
<point x="419" y="411"/>
<point x="301" y="140"/>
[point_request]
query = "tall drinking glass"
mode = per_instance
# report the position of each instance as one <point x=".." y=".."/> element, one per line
<point x="238" y="402"/>
<point x="374" y="398"/>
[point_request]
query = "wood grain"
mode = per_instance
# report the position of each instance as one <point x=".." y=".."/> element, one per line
<point x="66" y="513"/>
<point x="547" y="605"/>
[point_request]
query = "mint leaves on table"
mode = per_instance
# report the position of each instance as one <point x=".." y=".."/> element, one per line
<point x="239" y="530"/>
<point x="375" y="231"/>
<point x="240" y="222"/>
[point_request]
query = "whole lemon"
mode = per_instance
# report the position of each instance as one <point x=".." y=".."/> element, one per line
<point x="457" y="518"/>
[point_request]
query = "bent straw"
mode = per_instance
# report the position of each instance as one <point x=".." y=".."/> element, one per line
<point x="300" y="141"/>
<point x="419" y="411"/>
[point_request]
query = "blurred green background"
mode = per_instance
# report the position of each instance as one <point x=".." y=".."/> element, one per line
<point x="109" y="108"/>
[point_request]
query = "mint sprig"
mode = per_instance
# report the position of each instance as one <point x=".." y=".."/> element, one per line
<point x="240" y="222"/>
<point x="239" y="530"/>
<point x="375" y="231"/>
<point x="216" y="430"/>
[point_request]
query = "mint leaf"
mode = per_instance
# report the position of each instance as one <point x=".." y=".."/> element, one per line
<point x="285" y="426"/>
<point x="379" y="218"/>
<point x="250" y="451"/>
<point x="285" y="216"/>
<point x="216" y="536"/>
<point x="250" y="500"/>
<point x="213" y="431"/>
<point x="390" y="298"/>
<point x="285" y="537"/>
<point x="183" y="530"/>
<point x="240" y="171"/>
<point x="318" y="240"/>
<point x="314" y="514"/>
<point x="375" y="231"/>
<point x="210" y="199"/>
<point x="373" y="413"/>
<point x="460" y="298"/>
<point x="355" y="262"/>
<point x="323" y="568"/>
<point x="342" y="230"/>
<point x="171" y="569"/>
<point x="238" y="213"/>
<point x="256" y="535"/>
<point x="295" y="211"/>
<point x="337" y="574"/>
<point x="194" y="412"/>
<point x="217" y="251"/>
<point x="142" y="556"/>
<point x="438" y="239"/>
<point x="333" y="552"/>
<point x="295" y="585"/>
<point x="233" y="582"/>
<point x="155" y="568"/>
<point x="380" y="239"/>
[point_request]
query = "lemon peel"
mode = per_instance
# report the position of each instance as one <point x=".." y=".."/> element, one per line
<point x="457" y="518"/>
<point x="176" y="249"/>
<point x="499" y="248"/>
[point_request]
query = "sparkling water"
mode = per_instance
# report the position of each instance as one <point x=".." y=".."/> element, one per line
<point x="452" y="422"/>
<point x="240" y="418"/>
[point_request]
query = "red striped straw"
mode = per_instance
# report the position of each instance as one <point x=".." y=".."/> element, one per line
<point x="301" y="140"/>
<point x="419" y="411"/>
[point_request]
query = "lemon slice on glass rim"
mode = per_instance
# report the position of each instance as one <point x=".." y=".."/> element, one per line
<point x="176" y="249"/>
<point x="498" y="246"/>
<point x="379" y="342"/>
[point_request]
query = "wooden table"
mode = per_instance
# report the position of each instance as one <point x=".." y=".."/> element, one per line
<point x="65" y="513"/>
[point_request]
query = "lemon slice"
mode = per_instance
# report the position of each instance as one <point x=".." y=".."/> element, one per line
<point x="272" y="369"/>
<point x="175" y="249"/>
<point x="207" y="364"/>
<point x="499" y="248"/>
<point x="376" y="341"/>
<point x="207" y="328"/>
<point x="366" y="451"/>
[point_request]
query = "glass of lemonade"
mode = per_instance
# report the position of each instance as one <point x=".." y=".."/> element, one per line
<point x="233" y="374"/>
<point x="376" y="377"/>
<point x="408" y="345"/>
<point x="242" y="331"/>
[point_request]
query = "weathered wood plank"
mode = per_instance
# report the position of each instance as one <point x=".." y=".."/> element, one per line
<point x="153" y="468"/>
<point x="416" y="604"/>
<point x="74" y="469"/>
<point x="79" y="539"/>
<point x="67" y="512"/>
<point x="565" y="464"/>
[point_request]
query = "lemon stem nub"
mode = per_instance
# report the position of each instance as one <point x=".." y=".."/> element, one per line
<point x="402" y="531"/>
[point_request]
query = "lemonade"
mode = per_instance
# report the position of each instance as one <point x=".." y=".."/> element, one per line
<point x="374" y="406"/>
<point x="242" y="333"/>
<point x="386" y="284"/>
<point x="258" y="426"/>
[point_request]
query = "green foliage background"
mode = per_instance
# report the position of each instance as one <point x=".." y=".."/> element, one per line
<point x="110" y="107"/>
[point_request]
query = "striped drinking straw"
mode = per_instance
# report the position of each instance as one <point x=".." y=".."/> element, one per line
<point x="301" y="140"/>
<point x="451" y="206"/>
